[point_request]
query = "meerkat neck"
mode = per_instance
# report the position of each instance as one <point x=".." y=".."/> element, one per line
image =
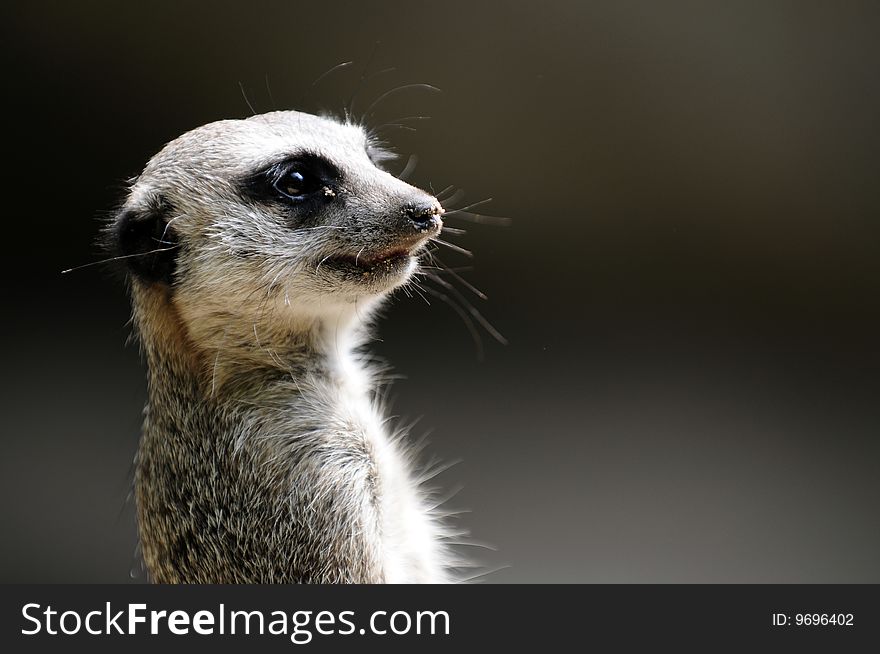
<point x="225" y="360"/>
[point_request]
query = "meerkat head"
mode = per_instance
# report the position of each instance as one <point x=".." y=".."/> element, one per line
<point x="281" y="217"/>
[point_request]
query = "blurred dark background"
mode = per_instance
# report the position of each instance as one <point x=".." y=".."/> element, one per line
<point x="689" y="284"/>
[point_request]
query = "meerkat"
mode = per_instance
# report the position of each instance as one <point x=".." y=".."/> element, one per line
<point x="258" y="251"/>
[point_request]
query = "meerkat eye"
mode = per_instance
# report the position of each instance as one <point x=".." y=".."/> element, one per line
<point x="298" y="182"/>
<point x="301" y="179"/>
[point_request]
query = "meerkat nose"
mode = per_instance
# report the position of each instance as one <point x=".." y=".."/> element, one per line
<point x="425" y="215"/>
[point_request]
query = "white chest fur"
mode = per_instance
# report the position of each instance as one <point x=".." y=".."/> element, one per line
<point x="410" y="539"/>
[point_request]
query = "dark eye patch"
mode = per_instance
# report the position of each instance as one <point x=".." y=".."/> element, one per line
<point x="297" y="181"/>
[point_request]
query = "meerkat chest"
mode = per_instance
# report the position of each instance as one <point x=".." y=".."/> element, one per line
<point x="407" y="538"/>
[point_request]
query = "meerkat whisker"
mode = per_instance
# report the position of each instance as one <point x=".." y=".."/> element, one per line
<point x="439" y="194"/>
<point x="397" y="89"/>
<point x="453" y="246"/>
<point x="419" y="289"/>
<point x="396" y="122"/>
<point x="457" y="195"/>
<point x="480" y="218"/>
<point x="408" y="128"/>
<point x="321" y="263"/>
<point x="472" y="310"/>
<point x="349" y="106"/>
<point x="471" y="327"/>
<point x="319" y="79"/>
<point x="409" y="168"/>
<point x="269" y="92"/>
<point x="118" y="258"/>
<point x="473" y="289"/>
<point x="470" y="206"/>
<point x="247" y="101"/>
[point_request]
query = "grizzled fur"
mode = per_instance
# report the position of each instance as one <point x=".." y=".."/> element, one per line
<point x="264" y="455"/>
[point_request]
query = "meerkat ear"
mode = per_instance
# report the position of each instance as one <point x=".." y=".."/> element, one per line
<point x="146" y="242"/>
